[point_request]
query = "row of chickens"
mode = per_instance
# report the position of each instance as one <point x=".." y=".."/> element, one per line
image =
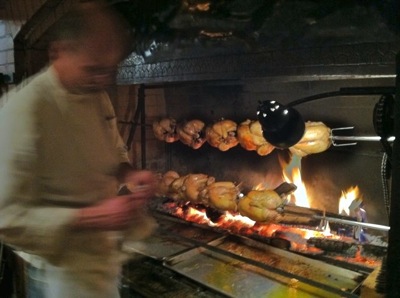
<point x="225" y="134"/>
<point x="201" y="189"/>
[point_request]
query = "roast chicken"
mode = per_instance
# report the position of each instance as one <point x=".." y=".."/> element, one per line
<point x="177" y="191"/>
<point x="258" y="205"/>
<point x="226" y="134"/>
<point x="184" y="188"/>
<point x="199" y="189"/>
<point x="250" y="138"/>
<point x="261" y="205"/>
<point x="195" y="184"/>
<point x="221" y="195"/>
<point x="165" y="182"/>
<point x="222" y="134"/>
<point x="316" y="139"/>
<point x="192" y="133"/>
<point x="165" y="130"/>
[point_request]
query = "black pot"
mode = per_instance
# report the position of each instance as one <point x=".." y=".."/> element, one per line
<point x="282" y="126"/>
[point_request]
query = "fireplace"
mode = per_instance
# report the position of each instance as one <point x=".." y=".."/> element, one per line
<point x="326" y="175"/>
<point x="218" y="59"/>
<point x="213" y="61"/>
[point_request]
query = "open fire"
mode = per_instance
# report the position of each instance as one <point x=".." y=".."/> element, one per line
<point x="322" y="238"/>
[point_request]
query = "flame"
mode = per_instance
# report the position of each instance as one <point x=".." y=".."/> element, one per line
<point x="237" y="223"/>
<point x="349" y="200"/>
<point x="300" y="197"/>
<point x="227" y="220"/>
<point x="240" y="225"/>
<point x="327" y="230"/>
<point x="198" y="216"/>
<point x="292" y="174"/>
<point x="259" y="186"/>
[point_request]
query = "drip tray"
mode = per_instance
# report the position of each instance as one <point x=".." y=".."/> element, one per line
<point x="239" y="267"/>
<point x="184" y="259"/>
<point x="170" y="238"/>
<point x="146" y="277"/>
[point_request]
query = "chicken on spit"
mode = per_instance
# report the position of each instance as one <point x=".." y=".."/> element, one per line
<point x="222" y="134"/>
<point x="164" y="184"/>
<point x="221" y="195"/>
<point x="258" y="205"/>
<point x="251" y="138"/>
<point x="316" y="139"/>
<point x="261" y="205"/>
<point x="199" y="189"/>
<point x="186" y="188"/>
<point x="165" y="130"/>
<point x="195" y="184"/>
<point x="192" y="133"/>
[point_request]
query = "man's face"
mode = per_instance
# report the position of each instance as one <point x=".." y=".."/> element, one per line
<point x="89" y="62"/>
<point x="87" y="69"/>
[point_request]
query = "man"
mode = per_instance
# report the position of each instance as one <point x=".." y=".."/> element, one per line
<point x="62" y="163"/>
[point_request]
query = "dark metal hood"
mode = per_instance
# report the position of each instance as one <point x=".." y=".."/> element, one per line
<point x="196" y="39"/>
<point x="183" y="40"/>
<point x="193" y="28"/>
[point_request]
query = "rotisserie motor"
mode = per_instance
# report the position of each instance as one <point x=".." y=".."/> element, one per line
<point x="222" y="134"/>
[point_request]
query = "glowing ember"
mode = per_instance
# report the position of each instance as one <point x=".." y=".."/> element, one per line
<point x="195" y="215"/>
<point x="239" y="218"/>
<point x="241" y="224"/>
<point x="349" y="200"/>
<point x="301" y="239"/>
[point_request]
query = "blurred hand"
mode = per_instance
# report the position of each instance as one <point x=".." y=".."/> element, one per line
<point x="118" y="213"/>
<point x="142" y="184"/>
<point x="112" y="214"/>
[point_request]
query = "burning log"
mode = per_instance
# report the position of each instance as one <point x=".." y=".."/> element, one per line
<point x="332" y="245"/>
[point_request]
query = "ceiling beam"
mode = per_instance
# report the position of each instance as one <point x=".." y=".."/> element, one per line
<point x="45" y="17"/>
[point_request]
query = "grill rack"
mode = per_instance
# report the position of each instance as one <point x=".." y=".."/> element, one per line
<point x="189" y="248"/>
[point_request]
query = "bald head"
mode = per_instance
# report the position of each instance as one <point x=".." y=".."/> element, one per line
<point x="87" y="46"/>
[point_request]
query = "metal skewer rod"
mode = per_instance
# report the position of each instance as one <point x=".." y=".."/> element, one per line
<point x="335" y="219"/>
<point x="354" y="223"/>
<point x="352" y="140"/>
<point x="360" y="138"/>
